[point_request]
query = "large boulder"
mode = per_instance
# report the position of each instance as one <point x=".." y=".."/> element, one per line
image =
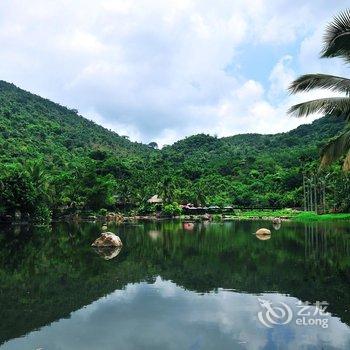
<point x="108" y="239"/>
<point x="263" y="231"/>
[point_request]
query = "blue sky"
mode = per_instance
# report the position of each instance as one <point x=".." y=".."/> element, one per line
<point x="162" y="70"/>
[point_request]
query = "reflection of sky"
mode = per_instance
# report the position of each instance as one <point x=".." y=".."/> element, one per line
<point x="164" y="316"/>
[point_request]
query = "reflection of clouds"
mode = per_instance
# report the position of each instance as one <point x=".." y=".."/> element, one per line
<point x="165" y="288"/>
<point x="164" y="316"/>
<point x="154" y="234"/>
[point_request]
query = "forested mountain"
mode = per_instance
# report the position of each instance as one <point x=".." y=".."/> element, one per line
<point x="31" y="126"/>
<point x="252" y="169"/>
<point x="52" y="160"/>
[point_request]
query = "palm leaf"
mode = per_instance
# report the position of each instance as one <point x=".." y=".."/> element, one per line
<point x="308" y="82"/>
<point x="337" y="37"/>
<point x="339" y="106"/>
<point x="335" y="149"/>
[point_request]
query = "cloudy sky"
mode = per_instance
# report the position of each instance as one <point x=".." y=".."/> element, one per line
<point x="161" y="70"/>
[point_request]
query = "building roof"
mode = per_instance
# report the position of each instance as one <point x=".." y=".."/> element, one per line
<point x="155" y="200"/>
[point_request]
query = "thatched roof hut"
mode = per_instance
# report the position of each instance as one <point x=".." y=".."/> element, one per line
<point x="155" y="200"/>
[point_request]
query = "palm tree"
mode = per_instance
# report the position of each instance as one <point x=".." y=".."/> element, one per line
<point x="166" y="189"/>
<point x="336" y="44"/>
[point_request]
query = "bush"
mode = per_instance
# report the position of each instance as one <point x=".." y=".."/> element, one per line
<point x="146" y="208"/>
<point x="172" y="209"/>
<point x="41" y="215"/>
<point x="103" y="212"/>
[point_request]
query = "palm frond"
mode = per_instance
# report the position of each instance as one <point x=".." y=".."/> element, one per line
<point x="335" y="149"/>
<point x="339" y="106"/>
<point x="308" y="82"/>
<point x="337" y="37"/>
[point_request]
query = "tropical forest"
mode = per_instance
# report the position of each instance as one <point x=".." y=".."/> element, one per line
<point x="54" y="162"/>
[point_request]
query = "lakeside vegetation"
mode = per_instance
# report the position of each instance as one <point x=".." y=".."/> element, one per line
<point x="290" y="214"/>
<point x="55" y="163"/>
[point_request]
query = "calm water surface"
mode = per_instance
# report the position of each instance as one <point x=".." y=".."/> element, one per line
<point x="175" y="286"/>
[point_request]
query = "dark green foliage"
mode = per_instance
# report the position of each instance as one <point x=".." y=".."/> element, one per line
<point x="53" y="160"/>
<point x="249" y="170"/>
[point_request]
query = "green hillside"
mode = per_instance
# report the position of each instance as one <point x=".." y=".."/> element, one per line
<point x="32" y="127"/>
<point x="251" y="170"/>
<point x="55" y="162"/>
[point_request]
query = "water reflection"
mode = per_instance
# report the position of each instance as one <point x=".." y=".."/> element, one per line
<point x="217" y="273"/>
<point x="276" y="225"/>
<point x="107" y="253"/>
<point x="163" y="315"/>
<point x="263" y="237"/>
<point x="154" y="234"/>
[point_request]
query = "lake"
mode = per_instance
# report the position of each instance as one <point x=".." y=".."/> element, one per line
<point x="176" y="285"/>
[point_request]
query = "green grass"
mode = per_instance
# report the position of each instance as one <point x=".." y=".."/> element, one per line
<point x="286" y="213"/>
<point x="309" y="216"/>
<point x="290" y="214"/>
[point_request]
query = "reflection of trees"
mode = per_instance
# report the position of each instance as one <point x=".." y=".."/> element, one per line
<point x="46" y="275"/>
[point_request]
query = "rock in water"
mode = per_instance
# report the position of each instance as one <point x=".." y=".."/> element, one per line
<point x="263" y="231"/>
<point x="108" y="239"/>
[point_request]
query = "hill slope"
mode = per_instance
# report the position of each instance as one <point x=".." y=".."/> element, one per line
<point x="251" y="169"/>
<point x="31" y="126"/>
<point x="53" y="159"/>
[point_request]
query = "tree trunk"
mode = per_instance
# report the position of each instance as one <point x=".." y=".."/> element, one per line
<point x="304" y="193"/>
<point x="315" y="193"/>
<point x="310" y="195"/>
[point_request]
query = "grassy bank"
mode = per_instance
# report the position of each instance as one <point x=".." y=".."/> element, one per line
<point x="289" y="214"/>
<point x="309" y="216"/>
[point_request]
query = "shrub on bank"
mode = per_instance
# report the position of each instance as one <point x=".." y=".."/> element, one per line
<point x="172" y="209"/>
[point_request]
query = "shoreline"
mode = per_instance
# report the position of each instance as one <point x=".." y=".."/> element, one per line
<point x="283" y="215"/>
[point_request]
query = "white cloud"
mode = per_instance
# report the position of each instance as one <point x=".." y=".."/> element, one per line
<point x="281" y="76"/>
<point x="157" y="70"/>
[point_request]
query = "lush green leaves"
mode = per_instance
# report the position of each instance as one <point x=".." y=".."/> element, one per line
<point x="54" y="160"/>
